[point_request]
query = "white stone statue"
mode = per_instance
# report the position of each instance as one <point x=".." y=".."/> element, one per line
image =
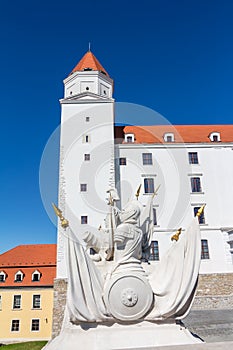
<point x="119" y="290"/>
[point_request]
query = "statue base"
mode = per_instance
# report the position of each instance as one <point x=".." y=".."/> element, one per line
<point x="119" y="336"/>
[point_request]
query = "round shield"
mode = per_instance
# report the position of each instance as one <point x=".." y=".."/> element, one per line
<point x="128" y="297"/>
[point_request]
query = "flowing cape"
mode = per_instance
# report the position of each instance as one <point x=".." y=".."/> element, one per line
<point x="175" y="278"/>
<point x="85" y="285"/>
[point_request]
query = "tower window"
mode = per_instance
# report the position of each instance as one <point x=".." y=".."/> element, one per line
<point x="193" y="158"/>
<point x="87" y="119"/>
<point x="201" y="218"/>
<point x="154" y="251"/>
<point x="87" y="156"/>
<point x="86" y="138"/>
<point x="83" y="187"/>
<point x="87" y="88"/>
<point x="149" y="185"/>
<point x="204" y="249"/>
<point x="196" y="184"/>
<point x="84" y="219"/>
<point x="122" y="161"/>
<point x="147" y="158"/>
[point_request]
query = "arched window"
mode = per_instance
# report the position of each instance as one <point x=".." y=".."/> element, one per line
<point x="2" y="276"/>
<point x="169" y="137"/>
<point x="19" y="276"/>
<point x="129" y="138"/>
<point x="36" y="276"/>
<point x="215" y="137"/>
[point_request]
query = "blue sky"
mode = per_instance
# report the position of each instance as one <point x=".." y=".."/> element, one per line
<point x="172" y="56"/>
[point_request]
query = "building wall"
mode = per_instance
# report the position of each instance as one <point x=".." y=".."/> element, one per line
<point x="98" y="173"/>
<point x="25" y="314"/>
<point x="175" y="201"/>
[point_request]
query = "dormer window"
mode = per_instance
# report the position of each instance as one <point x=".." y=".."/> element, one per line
<point x="36" y="276"/>
<point x="169" y="137"/>
<point x="215" y="137"/>
<point x="2" y="276"/>
<point x="129" y="138"/>
<point x="19" y="276"/>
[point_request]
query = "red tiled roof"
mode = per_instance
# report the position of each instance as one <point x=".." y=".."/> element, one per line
<point x="29" y="255"/>
<point x="182" y="133"/>
<point x="48" y="273"/>
<point x="89" y="61"/>
<point x="28" y="258"/>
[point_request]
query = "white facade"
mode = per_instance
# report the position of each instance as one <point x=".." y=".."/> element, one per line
<point x="90" y="164"/>
<point x="175" y="201"/>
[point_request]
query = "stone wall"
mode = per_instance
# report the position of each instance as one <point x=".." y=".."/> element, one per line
<point x="60" y="289"/>
<point x="214" y="291"/>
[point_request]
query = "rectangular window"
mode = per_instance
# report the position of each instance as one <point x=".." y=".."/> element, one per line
<point x="193" y="158"/>
<point x="36" y="301"/>
<point x="14" y="325"/>
<point x="17" y="302"/>
<point x="154" y="217"/>
<point x="204" y="249"/>
<point x="87" y="156"/>
<point x="154" y="251"/>
<point x="149" y="185"/>
<point x="122" y="161"/>
<point x="2" y="277"/>
<point x="83" y="187"/>
<point x="35" y="325"/>
<point x="202" y="217"/>
<point x="147" y="158"/>
<point x="84" y="219"/>
<point x="196" y="184"/>
<point x="87" y="119"/>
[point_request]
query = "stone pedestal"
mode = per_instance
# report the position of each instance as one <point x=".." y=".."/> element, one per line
<point x="117" y="336"/>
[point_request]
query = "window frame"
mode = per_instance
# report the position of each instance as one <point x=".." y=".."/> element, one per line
<point x="18" y="273"/>
<point x="169" y="135"/>
<point x="129" y="136"/>
<point x="84" y="219"/>
<point x="201" y="218"/>
<point x="149" y="185"/>
<point x="13" y="325"/>
<point x="147" y="158"/>
<point x="35" y="304"/>
<point x="154" y="251"/>
<point x="83" y="187"/>
<point x="205" y="252"/>
<point x="193" y="158"/>
<point x="196" y="184"/>
<point x="122" y="161"/>
<point x="17" y="302"/>
<point x="2" y="276"/>
<point x="38" y="323"/>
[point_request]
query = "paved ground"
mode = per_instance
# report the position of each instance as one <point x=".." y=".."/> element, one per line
<point x="212" y="326"/>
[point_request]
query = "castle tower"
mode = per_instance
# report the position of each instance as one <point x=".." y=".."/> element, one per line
<point x="86" y="149"/>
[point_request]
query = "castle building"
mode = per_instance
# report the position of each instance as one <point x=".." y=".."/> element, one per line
<point x="192" y="164"/>
<point x="27" y="275"/>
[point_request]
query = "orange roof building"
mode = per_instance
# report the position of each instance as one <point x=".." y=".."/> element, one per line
<point x="27" y="274"/>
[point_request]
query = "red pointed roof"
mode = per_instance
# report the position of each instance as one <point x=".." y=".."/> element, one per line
<point x="91" y="62"/>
